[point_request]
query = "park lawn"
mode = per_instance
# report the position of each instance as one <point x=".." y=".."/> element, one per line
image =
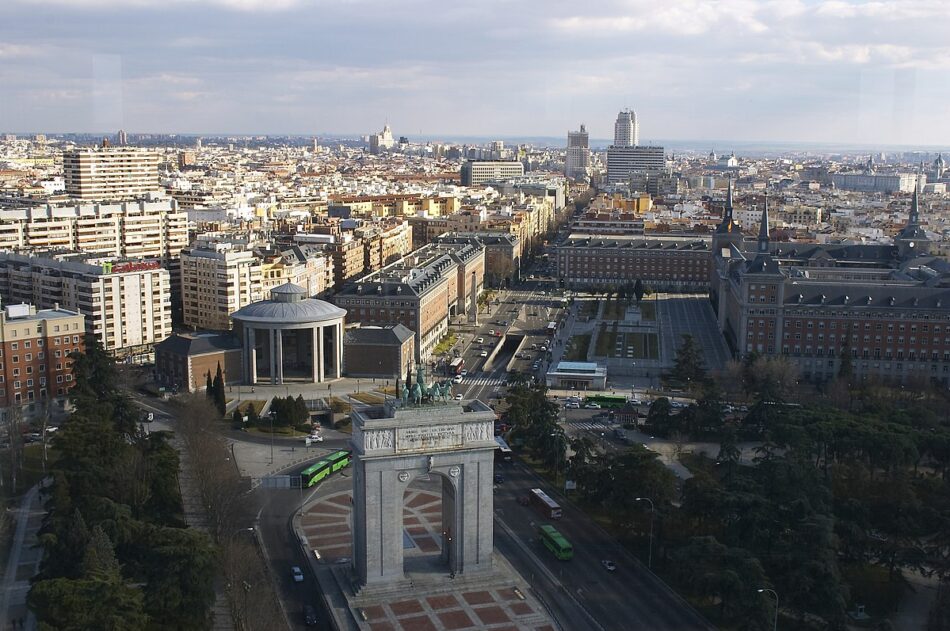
<point x="257" y="403"/>
<point x="615" y="309"/>
<point x="445" y="344"/>
<point x="389" y="390"/>
<point x="576" y="350"/>
<point x="645" y="346"/>
<point x="589" y="308"/>
<point x="606" y="342"/>
<point x="340" y="406"/>
<point x="284" y="431"/>
<point x="368" y="398"/>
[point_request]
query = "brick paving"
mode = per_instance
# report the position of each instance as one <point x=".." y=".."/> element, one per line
<point x="326" y="524"/>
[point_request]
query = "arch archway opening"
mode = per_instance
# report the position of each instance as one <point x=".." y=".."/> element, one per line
<point x="429" y="525"/>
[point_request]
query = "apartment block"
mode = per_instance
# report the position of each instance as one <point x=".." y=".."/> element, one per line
<point x="126" y="230"/>
<point x="502" y="254"/>
<point x="126" y="304"/>
<point x="349" y="259"/>
<point x="110" y="173"/>
<point x="217" y="279"/>
<point x="35" y="367"/>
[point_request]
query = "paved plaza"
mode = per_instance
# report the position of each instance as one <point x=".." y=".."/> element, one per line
<point x="325" y="524"/>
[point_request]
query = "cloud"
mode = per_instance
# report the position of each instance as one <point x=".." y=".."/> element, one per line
<point x="235" y="5"/>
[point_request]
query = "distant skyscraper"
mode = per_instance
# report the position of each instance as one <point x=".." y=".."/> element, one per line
<point x="577" y="159"/>
<point x="382" y="141"/>
<point x="626" y="129"/>
<point x="121" y="138"/>
<point x="622" y="162"/>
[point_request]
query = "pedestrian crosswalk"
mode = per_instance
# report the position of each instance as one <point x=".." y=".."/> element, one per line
<point x="481" y="381"/>
<point x="593" y="426"/>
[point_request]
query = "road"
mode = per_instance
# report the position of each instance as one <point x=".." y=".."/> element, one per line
<point x="629" y="598"/>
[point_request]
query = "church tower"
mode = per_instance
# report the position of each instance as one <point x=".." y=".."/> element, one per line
<point x="912" y="240"/>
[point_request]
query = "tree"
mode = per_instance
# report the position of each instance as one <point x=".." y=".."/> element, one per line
<point x="638" y="290"/>
<point x="209" y="386"/>
<point x="658" y="415"/>
<point x="688" y="365"/>
<point x="237" y="418"/>
<point x="220" y="400"/>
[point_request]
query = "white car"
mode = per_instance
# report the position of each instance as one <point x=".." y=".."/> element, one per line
<point x="479" y="340"/>
<point x="483" y="354"/>
<point x="458" y="397"/>
<point x="463" y="372"/>
<point x="491" y="331"/>
<point x="296" y="572"/>
<point x="592" y="406"/>
<point x="457" y="379"/>
<point x="572" y="405"/>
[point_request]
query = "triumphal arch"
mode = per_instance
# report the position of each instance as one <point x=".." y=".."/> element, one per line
<point x="448" y="443"/>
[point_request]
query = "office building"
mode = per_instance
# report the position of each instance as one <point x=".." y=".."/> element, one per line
<point x="184" y="360"/>
<point x="381" y="142"/>
<point x="478" y="172"/>
<point x="421" y="291"/>
<point x="577" y="158"/>
<point x="626" y="129"/>
<point x="624" y="161"/>
<point x="128" y="230"/>
<point x="35" y="367"/>
<point x="126" y="304"/>
<point x="110" y="173"/>
<point x="870" y="182"/>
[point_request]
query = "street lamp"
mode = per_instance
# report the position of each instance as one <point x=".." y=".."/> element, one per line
<point x="652" y="515"/>
<point x="273" y="414"/>
<point x="775" y="618"/>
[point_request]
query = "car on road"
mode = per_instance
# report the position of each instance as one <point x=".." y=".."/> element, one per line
<point x="310" y="616"/>
<point x="499" y="478"/>
<point x="297" y="574"/>
<point x="458" y="397"/>
<point x="572" y="405"/>
<point x="483" y="354"/>
<point x="491" y="331"/>
<point x="592" y="406"/>
<point x="463" y="372"/>
<point x="609" y="565"/>
<point x="313" y="438"/>
<point x="504" y="323"/>
<point x="457" y="379"/>
<point x="635" y="401"/>
<point x="479" y="340"/>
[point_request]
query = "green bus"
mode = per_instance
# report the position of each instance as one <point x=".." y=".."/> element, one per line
<point x="555" y="542"/>
<point x="319" y="470"/>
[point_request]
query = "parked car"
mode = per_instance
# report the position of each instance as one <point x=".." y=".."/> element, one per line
<point x="483" y="354"/>
<point x="297" y="574"/>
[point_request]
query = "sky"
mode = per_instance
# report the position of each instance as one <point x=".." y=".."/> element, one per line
<point x="786" y="70"/>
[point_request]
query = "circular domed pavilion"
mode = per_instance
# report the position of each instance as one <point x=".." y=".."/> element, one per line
<point x="290" y="338"/>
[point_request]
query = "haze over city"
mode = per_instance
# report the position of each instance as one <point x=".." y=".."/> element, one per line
<point x="832" y="71"/>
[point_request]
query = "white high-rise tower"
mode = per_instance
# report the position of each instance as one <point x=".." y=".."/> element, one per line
<point x="626" y="129"/>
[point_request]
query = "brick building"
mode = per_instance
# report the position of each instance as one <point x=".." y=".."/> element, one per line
<point x="381" y="352"/>
<point x="35" y="345"/>
<point x="664" y="263"/>
<point x="183" y="360"/>
<point x="888" y="306"/>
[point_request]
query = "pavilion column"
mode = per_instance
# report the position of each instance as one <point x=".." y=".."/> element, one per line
<point x="315" y="334"/>
<point x="273" y="356"/>
<point x="251" y="346"/>
<point x="321" y="372"/>
<point x="280" y="356"/>
<point x="338" y="349"/>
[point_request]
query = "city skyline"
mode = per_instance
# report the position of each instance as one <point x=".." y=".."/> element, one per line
<point x="829" y="71"/>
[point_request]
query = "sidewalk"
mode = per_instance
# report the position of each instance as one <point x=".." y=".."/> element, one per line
<point x="24" y="561"/>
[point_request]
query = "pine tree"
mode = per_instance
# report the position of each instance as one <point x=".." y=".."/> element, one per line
<point x="217" y="390"/>
<point x="209" y="386"/>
